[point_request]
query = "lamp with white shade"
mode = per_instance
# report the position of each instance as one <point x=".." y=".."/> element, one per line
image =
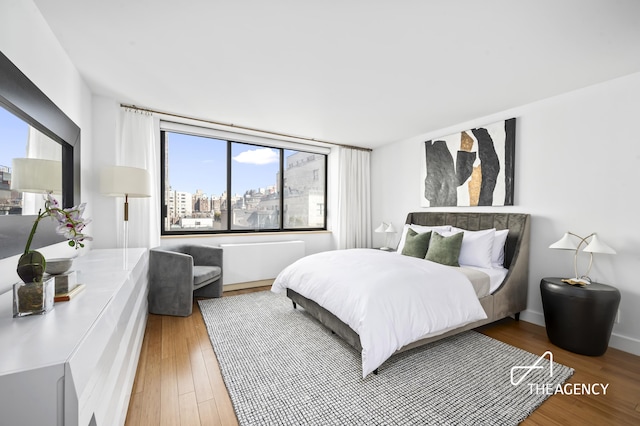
<point x="127" y="182"/>
<point x="596" y="245"/>
<point x="387" y="230"/>
<point x="32" y="176"/>
<point x="36" y="175"/>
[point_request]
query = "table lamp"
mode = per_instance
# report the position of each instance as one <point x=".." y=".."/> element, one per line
<point x="387" y="230"/>
<point x="596" y="245"/>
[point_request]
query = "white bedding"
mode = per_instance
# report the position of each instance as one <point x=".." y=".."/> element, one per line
<point x="496" y="276"/>
<point x="389" y="300"/>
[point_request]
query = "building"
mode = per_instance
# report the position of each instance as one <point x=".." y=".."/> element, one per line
<point x="201" y="203"/>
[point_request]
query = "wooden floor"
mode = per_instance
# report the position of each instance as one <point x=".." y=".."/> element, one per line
<point x="178" y="381"/>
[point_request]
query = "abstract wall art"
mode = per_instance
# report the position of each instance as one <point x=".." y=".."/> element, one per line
<point x="472" y="168"/>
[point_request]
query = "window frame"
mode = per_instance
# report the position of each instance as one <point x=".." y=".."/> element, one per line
<point x="187" y="130"/>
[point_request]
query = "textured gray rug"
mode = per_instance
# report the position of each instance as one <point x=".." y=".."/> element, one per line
<point x="282" y="367"/>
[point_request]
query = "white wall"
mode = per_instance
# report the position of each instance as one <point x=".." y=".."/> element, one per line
<point x="577" y="162"/>
<point x="27" y="40"/>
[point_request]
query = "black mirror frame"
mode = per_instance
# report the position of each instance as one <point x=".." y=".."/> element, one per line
<point x="23" y="98"/>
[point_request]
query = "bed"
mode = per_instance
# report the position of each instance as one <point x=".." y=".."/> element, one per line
<point x="508" y="298"/>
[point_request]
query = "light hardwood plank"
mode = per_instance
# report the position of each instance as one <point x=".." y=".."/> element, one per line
<point x="222" y="399"/>
<point x="134" y="412"/>
<point x="209" y="413"/>
<point x="168" y="336"/>
<point x="184" y="373"/>
<point x="199" y="371"/>
<point x="189" y="414"/>
<point x="150" y="397"/>
<point x="200" y="329"/>
<point x="169" y="398"/>
<point x="138" y="382"/>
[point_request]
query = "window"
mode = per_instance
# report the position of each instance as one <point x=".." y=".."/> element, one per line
<point x="214" y="185"/>
<point x="302" y="190"/>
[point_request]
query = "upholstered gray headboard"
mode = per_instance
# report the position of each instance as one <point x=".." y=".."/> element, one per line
<point x="516" y="223"/>
<point x="511" y="297"/>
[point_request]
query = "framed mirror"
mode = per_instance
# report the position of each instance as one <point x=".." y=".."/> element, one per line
<point x="23" y="103"/>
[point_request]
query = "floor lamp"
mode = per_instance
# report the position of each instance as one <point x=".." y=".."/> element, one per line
<point x="35" y="175"/>
<point x="127" y="182"/>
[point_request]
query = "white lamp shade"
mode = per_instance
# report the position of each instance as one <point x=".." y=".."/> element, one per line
<point x="380" y="228"/>
<point x="564" y="243"/>
<point x="390" y="229"/>
<point x="597" y="246"/>
<point x="36" y="175"/>
<point x="120" y="181"/>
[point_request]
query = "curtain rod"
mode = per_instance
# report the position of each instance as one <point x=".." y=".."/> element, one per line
<point x="251" y="129"/>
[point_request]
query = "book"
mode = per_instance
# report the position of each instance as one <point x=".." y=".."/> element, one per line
<point x="65" y="282"/>
<point x="65" y="297"/>
<point x="574" y="282"/>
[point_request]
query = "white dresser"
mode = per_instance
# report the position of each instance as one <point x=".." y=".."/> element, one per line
<point x="76" y="364"/>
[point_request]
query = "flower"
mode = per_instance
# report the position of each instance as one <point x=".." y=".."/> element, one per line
<point x="31" y="265"/>
<point x="70" y="222"/>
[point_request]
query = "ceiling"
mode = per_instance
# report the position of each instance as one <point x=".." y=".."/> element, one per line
<point x="356" y="72"/>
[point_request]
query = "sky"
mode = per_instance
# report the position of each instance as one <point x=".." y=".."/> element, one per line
<point x="200" y="163"/>
<point x="13" y="137"/>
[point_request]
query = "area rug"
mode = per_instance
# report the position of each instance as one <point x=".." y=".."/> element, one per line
<point x="282" y="367"/>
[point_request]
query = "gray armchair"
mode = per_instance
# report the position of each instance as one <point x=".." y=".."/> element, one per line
<point x="177" y="274"/>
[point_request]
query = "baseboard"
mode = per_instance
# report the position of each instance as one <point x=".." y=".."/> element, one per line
<point x="248" y="284"/>
<point x="533" y="317"/>
<point x="625" y="343"/>
<point x="617" y="341"/>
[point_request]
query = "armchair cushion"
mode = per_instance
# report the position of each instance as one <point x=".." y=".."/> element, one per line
<point x="203" y="275"/>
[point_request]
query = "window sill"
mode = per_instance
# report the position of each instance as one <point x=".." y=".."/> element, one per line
<point x="244" y="234"/>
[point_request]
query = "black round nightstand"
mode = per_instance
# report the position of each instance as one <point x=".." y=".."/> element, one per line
<point x="579" y="319"/>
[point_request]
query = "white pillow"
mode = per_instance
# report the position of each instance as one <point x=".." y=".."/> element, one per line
<point x="477" y="247"/>
<point x="419" y="229"/>
<point x="497" y="254"/>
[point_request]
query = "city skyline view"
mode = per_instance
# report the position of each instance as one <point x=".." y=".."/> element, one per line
<point x="257" y="200"/>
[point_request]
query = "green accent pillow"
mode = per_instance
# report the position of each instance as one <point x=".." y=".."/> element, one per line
<point x="445" y="250"/>
<point x="416" y="244"/>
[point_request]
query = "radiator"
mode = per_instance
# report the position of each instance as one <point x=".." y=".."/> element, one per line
<point x="258" y="261"/>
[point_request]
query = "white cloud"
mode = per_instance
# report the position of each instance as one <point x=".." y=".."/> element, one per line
<point x="257" y="156"/>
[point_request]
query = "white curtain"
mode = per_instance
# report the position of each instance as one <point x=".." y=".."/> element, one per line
<point x="138" y="147"/>
<point x="354" y="198"/>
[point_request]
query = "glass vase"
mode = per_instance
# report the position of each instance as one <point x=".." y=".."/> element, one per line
<point x="35" y="298"/>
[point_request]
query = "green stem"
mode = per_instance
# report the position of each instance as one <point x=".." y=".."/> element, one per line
<point x="33" y="229"/>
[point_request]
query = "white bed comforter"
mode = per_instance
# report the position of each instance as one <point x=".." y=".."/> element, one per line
<point x="389" y="299"/>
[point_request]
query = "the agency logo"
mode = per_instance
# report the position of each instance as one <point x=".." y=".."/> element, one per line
<point x="520" y="372"/>
<point x="529" y="368"/>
